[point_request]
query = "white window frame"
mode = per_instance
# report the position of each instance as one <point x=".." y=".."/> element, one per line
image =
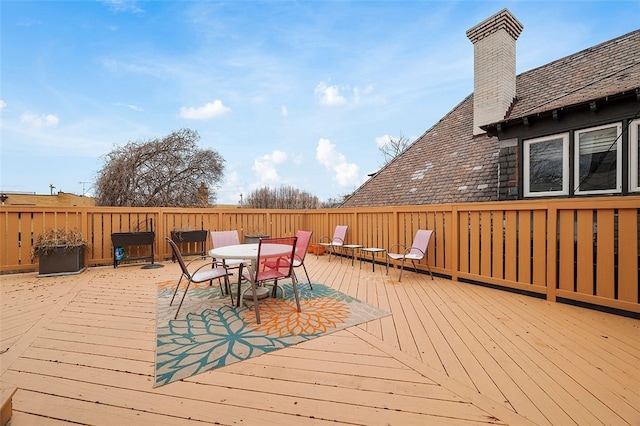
<point x="576" y="159"/>
<point x="634" y="133"/>
<point x="565" y="165"/>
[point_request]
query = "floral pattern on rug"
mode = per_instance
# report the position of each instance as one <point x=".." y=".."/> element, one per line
<point x="210" y="333"/>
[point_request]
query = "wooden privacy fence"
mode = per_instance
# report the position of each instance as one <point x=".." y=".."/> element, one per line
<point x="583" y="250"/>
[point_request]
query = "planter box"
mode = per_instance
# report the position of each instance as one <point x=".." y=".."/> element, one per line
<point x="189" y="236"/>
<point x="62" y="261"/>
<point x="254" y="239"/>
<point x="316" y="249"/>
<point x="186" y="237"/>
<point x="124" y="239"/>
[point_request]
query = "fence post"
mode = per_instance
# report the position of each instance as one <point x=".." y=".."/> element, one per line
<point x="84" y="230"/>
<point x="552" y="251"/>
<point x="453" y="247"/>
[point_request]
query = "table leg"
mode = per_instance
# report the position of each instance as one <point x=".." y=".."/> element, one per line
<point x="373" y="261"/>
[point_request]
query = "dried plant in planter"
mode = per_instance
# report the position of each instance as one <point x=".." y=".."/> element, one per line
<point x="52" y="239"/>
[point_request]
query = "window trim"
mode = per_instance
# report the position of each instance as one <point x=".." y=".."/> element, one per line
<point x="565" y="166"/>
<point x="634" y="167"/>
<point x="576" y="160"/>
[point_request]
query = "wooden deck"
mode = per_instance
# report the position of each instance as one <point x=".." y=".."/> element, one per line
<point x="81" y="349"/>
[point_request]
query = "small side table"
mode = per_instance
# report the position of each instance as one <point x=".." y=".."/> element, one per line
<point x="373" y="251"/>
<point x="353" y="248"/>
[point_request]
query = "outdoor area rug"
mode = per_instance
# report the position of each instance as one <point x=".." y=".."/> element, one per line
<point x="210" y="333"/>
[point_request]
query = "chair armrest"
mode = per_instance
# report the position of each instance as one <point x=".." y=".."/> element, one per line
<point x="404" y="248"/>
<point x="411" y="248"/>
<point x="206" y="265"/>
<point x="321" y="240"/>
<point x="198" y="258"/>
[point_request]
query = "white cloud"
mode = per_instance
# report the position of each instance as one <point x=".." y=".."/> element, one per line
<point x="383" y="140"/>
<point x="332" y="95"/>
<point x="358" y="93"/>
<point x="3" y="104"/>
<point x="329" y="95"/>
<point x="284" y="111"/>
<point x="123" y="5"/>
<point x="132" y="107"/>
<point x="44" y="120"/>
<point x="265" y="166"/>
<point x="345" y="173"/>
<point x="210" y="110"/>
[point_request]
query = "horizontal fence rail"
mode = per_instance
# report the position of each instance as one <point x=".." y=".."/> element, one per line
<point x="581" y="250"/>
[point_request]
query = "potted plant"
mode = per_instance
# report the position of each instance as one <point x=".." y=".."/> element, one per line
<point x="59" y="252"/>
<point x="316" y="249"/>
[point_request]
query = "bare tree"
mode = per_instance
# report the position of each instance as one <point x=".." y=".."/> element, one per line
<point x="394" y="147"/>
<point x="160" y="172"/>
<point x="334" y="202"/>
<point x="285" y="197"/>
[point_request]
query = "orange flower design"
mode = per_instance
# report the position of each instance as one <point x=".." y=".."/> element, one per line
<point x="166" y="284"/>
<point x="280" y="317"/>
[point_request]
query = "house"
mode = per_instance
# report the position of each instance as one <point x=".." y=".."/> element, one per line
<point x="570" y="128"/>
<point x="61" y="199"/>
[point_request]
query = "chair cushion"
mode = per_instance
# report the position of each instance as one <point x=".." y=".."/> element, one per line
<point x="208" y="274"/>
<point x="233" y="262"/>
<point x="395" y="256"/>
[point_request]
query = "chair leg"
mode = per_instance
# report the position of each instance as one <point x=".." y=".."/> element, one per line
<point x="401" y="270"/>
<point x="239" y="284"/>
<point x="176" y="290"/>
<point x="255" y="301"/>
<point x="227" y="285"/>
<point x="294" y="284"/>
<point x="182" y="300"/>
<point x="307" y="274"/>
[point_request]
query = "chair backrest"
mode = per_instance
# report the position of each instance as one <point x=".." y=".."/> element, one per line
<point x="421" y="242"/>
<point x="340" y="234"/>
<point x="302" y="245"/>
<point x="224" y="238"/>
<point x="282" y="264"/>
<point x="178" y="256"/>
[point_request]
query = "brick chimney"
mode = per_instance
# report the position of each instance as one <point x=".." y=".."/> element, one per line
<point x="203" y="195"/>
<point x="494" y="67"/>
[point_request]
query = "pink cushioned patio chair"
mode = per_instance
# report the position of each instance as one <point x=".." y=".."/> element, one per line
<point x="339" y="236"/>
<point x="417" y="251"/>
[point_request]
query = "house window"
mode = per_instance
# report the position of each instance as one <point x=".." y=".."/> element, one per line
<point x="634" y="156"/>
<point x="598" y="160"/>
<point x="546" y="166"/>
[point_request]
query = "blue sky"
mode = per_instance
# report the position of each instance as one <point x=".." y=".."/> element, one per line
<point x="295" y="93"/>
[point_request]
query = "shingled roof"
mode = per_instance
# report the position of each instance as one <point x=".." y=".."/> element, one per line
<point x="448" y="164"/>
<point x="607" y="69"/>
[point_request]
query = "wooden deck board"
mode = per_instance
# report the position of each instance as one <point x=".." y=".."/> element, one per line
<point x="557" y="366"/>
<point x="81" y="349"/>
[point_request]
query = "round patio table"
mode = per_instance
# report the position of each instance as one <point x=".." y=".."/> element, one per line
<point x="250" y="252"/>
